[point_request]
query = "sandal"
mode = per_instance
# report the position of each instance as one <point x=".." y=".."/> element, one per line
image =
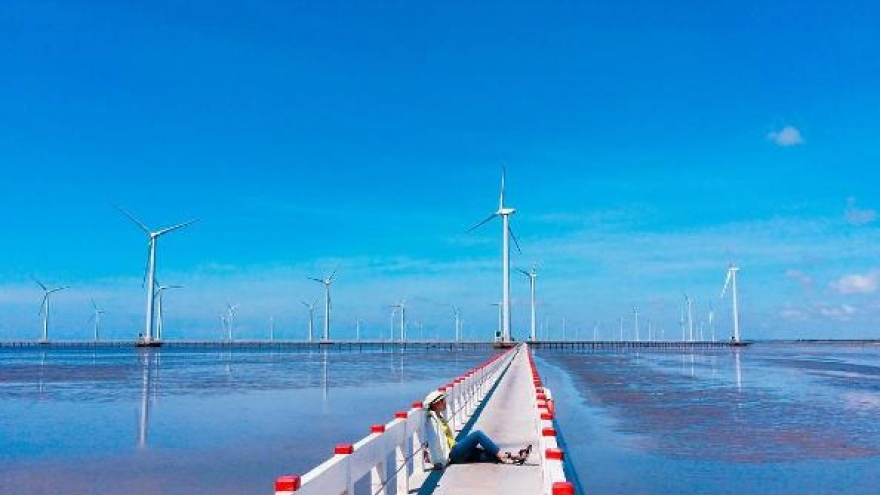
<point x="523" y="455"/>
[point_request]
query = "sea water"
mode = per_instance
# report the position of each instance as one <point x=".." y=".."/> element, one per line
<point x="782" y="419"/>
<point x="183" y="421"/>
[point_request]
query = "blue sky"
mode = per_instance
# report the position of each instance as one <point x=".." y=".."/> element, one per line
<point x="646" y="144"/>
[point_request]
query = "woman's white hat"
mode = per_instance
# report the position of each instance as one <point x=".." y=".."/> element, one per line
<point x="433" y="397"/>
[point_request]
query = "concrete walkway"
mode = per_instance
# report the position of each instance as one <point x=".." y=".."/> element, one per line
<point x="509" y="419"/>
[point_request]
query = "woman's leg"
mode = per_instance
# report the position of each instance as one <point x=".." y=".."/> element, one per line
<point x="465" y="448"/>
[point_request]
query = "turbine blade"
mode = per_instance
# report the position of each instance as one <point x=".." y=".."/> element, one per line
<point x="43" y="304"/>
<point x="475" y="227"/>
<point x="133" y="219"/>
<point x="40" y="283"/>
<point x="330" y="278"/>
<point x="175" y="227"/>
<point x="501" y="199"/>
<point x="316" y="279"/>
<point x="513" y="236"/>
<point x="726" y="282"/>
<point x="527" y="274"/>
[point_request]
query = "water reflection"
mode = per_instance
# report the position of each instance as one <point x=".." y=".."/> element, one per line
<point x="147" y="393"/>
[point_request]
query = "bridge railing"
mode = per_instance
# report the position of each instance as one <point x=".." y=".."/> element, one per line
<point x="391" y="452"/>
<point x="552" y="456"/>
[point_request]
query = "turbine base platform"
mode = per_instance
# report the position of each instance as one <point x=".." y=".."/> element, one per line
<point x="152" y="343"/>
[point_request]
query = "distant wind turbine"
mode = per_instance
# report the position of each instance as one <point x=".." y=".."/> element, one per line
<point x="230" y="320"/>
<point x="311" y="307"/>
<point x="402" y="307"/>
<point x="456" y="311"/>
<point x="731" y="280"/>
<point x="506" y="235"/>
<point x="327" y="283"/>
<point x="500" y="332"/>
<point x="96" y="317"/>
<point x="44" y="307"/>
<point x="636" y="322"/>
<point x="690" y="317"/>
<point x="151" y="269"/>
<point x="160" y="315"/>
<point x="533" y="275"/>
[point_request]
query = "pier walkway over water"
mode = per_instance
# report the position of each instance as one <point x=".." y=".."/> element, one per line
<point x="503" y="397"/>
<point x="508" y="417"/>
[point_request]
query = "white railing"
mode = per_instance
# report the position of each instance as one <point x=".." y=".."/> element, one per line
<point x="555" y="482"/>
<point x="391" y="452"/>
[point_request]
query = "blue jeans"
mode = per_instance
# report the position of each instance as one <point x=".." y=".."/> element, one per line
<point x="475" y="447"/>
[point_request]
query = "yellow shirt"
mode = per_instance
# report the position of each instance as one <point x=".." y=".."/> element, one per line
<point x="447" y="432"/>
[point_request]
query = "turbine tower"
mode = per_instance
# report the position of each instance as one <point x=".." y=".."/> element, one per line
<point x="44" y="307"/>
<point x="533" y="275"/>
<point x="151" y="271"/>
<point x="327" y="283"/>
<point x="731" y="280"/>
<point x="506" y="235"/>
<point x="96" y="317"/>
<point x="311" y="318"/>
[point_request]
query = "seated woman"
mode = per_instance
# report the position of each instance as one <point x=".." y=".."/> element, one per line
<point x="476" y="446"/>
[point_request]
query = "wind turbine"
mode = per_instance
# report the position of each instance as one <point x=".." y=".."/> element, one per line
<point x="690" y="317"/>
<point x="712" y="320"/>
<point x="500" y="332"/>
<point x="402" y="307"/>
<point x="327" y="283"/>
<point x="533" y="275"/>
<point x="391" y="327"/>
<point x="456" y="311"/>
<point x="230" y="319"/>
<point x="96" y="316"/>
<point x="506" y="235"/>
<point x="44" y="307"/>
<point x="160" y="318"/>
<point x="311" y="318"/>
<point x="731" y="280"/>
<point x="151" y="270"/>
<point x="636" y="322"/>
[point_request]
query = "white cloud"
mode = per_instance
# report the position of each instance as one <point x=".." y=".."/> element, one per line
<point x="787" y="136"/>
<point x="802" y="278"/>
<point x="855" y="283"/>
<point x="856" y="216"/>
<point x="793" y="314"/>
<point x="844" y="312"/>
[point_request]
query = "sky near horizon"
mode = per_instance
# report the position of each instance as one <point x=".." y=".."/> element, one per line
<point x="646" y="145"/>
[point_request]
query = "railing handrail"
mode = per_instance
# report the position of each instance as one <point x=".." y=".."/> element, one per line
<point x="403" y="437"/>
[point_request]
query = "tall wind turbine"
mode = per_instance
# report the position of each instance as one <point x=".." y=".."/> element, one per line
<point x="456" y="311"/>
<point x="160" y="318"/>
<point x="327" y="283"/>
<point x="506" y="235"/>
<point x="731" y="280"/>
<point x="44" y="307"/>
<point x="533" y="275"/>
<point x="96" y="317"/>
<point x="311" y="318"/>
<point x="151" y="270"/>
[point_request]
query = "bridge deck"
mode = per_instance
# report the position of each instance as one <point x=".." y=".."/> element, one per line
<point x="509" y="419"/>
